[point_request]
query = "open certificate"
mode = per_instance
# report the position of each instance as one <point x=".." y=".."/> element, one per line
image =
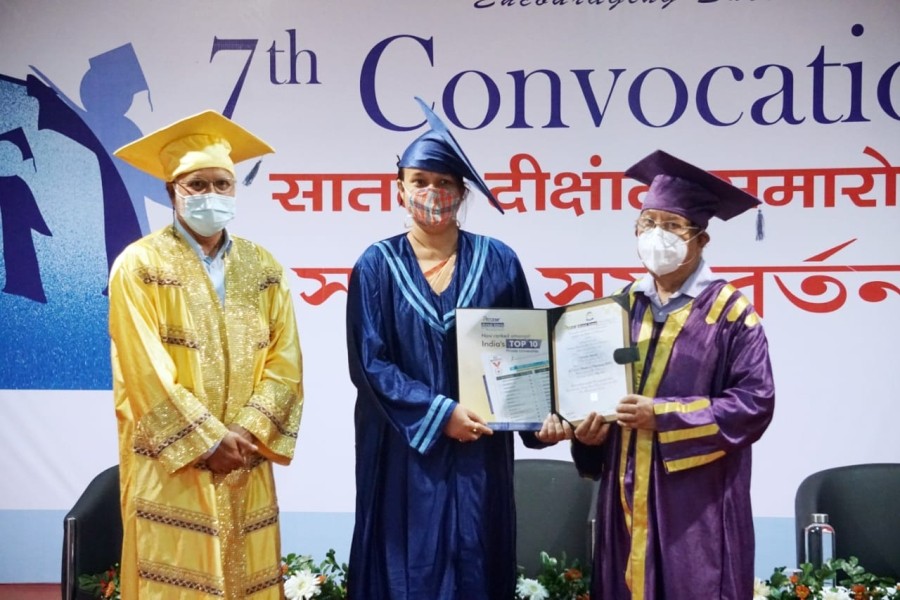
<point x="516" y="365"/>
<point x="591" y="343"/>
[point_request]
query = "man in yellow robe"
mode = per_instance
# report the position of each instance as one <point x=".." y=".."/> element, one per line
<point x="207" y="379"/>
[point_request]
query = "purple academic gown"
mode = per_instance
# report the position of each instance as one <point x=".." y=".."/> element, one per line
<point x="435" y="518"/>
<point x="674" y="519"/>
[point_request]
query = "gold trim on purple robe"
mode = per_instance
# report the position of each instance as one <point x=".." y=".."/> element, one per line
<point x="635" y="573"/>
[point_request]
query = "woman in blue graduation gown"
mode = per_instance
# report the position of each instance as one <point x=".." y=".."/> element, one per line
<point x="435" y="513"/>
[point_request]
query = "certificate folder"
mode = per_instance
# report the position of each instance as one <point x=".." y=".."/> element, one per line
<point x="518" y="365"/>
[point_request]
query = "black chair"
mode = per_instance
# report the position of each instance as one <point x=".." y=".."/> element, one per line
<point x="553" y="510"/>
<point x="92" y="533"/>
<point x="861" y="503"/>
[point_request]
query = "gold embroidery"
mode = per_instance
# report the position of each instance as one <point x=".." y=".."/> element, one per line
<point x="232" y="503"/>
<point x="243" y="324"/>
<point x="266" y="340"/>
<point x="156" y="420"/>
<point x="176" y="517"/>
<point x="206" y="317"/>
<point x="260" y="519"/>
<point x="262" y="580"/>
<point x="177" y="336"/>
<point x="150" y="274"/>
<point x="271" y="417"/>
<point x="269" y="278"/>
<point x="183" y="578"/>
<point x="270" y="396"/>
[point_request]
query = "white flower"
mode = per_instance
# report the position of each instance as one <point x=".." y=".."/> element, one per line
<point x="302" y="585"/>
<point x="530" y="589"/>
<point x="760" y="590"/>
<point x="838" y="593"/>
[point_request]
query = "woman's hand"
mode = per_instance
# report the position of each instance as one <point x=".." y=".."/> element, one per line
<point x="554" y="430"/>
<point x="466" y="426"/>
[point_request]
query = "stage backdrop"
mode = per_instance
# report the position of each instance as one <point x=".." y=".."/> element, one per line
<point x="798" y="101"/>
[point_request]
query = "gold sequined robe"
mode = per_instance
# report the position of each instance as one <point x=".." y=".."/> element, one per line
<point x="185" y="366"/>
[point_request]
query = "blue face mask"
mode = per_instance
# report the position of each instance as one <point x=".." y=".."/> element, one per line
<point x="208" y="214"/>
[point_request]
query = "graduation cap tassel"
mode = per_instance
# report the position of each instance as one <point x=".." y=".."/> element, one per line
<point x="760" y="225"/>
<point x="252" y="174"/>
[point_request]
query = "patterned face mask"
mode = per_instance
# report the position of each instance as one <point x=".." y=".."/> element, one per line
<point x="432" y="206"/>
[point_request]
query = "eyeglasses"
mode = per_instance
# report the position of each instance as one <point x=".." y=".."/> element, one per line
<point x="680" y="229"/>
<point x="198" y="185"/>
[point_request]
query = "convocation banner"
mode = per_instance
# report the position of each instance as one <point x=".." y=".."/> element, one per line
<point x="516" y="365"/>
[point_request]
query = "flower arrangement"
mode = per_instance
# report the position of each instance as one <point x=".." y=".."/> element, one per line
<point x="304" y="580"/>
<point x="557" y="580"/>
<point x="837" y="579"/>
<point x="102" y="585"/>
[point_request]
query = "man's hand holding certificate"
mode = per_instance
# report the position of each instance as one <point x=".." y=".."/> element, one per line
<point x="518" y="365"/>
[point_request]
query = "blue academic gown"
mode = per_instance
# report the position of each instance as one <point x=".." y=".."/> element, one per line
<point x="435" y="518"/>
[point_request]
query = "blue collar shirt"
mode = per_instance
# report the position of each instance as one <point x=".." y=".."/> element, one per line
<point x="215" y="264"/>
<point x="698" y="281"/>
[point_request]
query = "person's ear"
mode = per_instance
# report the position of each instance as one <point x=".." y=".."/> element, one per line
<point x="400" y="191"/>
<point x="170" y="190"/>
<point x="703" y="239"/>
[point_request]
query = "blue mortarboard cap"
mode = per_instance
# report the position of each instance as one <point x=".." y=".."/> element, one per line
<point x="437" y="150"/>
<point x="683" y="189"/>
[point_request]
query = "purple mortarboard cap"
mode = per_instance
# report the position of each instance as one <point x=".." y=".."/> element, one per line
<point x="437" y="150"/>
<point x="683" y="189"/>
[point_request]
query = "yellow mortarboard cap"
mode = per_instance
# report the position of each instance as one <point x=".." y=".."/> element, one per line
<point x="201" y="141"/>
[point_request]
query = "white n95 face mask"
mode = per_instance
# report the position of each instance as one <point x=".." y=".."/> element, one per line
<point x="661" y="251"/>
<point x="208" y="214"/>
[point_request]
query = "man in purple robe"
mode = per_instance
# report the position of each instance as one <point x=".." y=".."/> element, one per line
<point x="674" y="519"/>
